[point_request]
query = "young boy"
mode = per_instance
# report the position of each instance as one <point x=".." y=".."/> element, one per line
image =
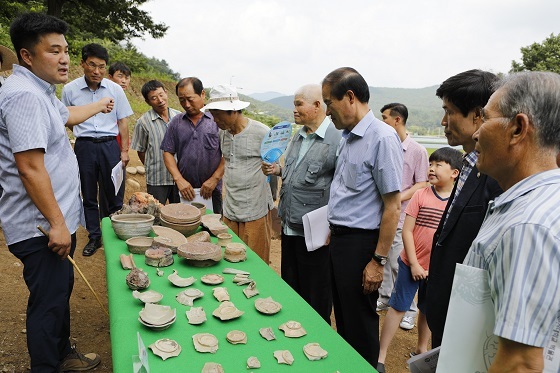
<point x="423" y="214"/>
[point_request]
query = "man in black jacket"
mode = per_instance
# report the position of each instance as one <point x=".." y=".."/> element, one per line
<point x="464" y="95"/>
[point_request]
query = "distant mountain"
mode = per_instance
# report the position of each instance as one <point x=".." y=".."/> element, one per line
<point x="265" y="96"/>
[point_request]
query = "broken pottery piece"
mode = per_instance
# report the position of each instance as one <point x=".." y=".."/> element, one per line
<point x="165" y="348"/>
<point x="212" y="279"/>
<point x="181" y="282"/>
<point x="314" y="352"/>
<point x="233" y="271"/>
<point x="187" y="297"/>
<point x="224" y="239"/>
<point x="200" y="254"/>
<point x="132" y="225"/>
<point x="284" y="357"/>
<point x="180" y="213"/>
<point x="139" y="245"/>
<point x="137" y="279"/>
<point x="159" y="257"/>
<point x="292" y="329"/>
<point x="205" y="342"/>
<point x="148" y="296"/>
<point x="127" y="261"/>
<point x="235" y="252"/>
<point x="227" y="311"/>
<point x="156" y="315"/>
<point x="221" y="294"/>
<point x="201" y="236"/>
<point x="267" y="306"/>
<point x="213" y="223"/>
<point x="201" y="206"/>
<point x="159" y="272"/>
<point x="251" y="290"/>
<point x="196" y="315"/>
<point x="242" y="281"/>
<point x="168" y="237"/>
<point x="267" y="333"/>
<point x="236" y="337"/>
<point x="212" y="368"/>
<point x="253" y="363"/>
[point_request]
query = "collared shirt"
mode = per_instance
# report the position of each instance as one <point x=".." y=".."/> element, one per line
<point x="78" y="93"/>
<point x="31" y="117"/>
<point x="415" y="169"/>
<point x="519" y="245"/>
<point x="148" y="134"/>
<point x="248" y="195"/>
<point x="370" y="164"/>
<point x="197" y="148"/>
<point x="469" y="161"/>
<point x="308" y="140"/>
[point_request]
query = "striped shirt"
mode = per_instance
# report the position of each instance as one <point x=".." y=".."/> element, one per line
<point x="370" y="164"/>
<point x="31" y="117"/>
<point x="519" y="245"/>
<point x="148" y="135"/>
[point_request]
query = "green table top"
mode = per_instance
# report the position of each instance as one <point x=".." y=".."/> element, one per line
<point x="124" y="324"/>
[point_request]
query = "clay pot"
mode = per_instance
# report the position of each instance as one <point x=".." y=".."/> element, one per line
<point x="200" y="254"/>
<point x="132" y="225"/>
<point x="200" y="206"/>
<point x="139" y="245"/>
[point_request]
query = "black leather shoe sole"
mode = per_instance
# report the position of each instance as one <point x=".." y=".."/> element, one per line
<point x="91" y="247"/>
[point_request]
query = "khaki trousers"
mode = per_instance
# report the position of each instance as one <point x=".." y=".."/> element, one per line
<point x="256" y="234"/>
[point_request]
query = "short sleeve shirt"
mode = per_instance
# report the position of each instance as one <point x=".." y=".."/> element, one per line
<point x="415" y="169"/>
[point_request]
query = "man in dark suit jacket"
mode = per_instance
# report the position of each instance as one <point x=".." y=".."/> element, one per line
<point x="464" y="95"/>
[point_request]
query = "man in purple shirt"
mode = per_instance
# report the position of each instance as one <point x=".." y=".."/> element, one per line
<point x="191" y="146"/>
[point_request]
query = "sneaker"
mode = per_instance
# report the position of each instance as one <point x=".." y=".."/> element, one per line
<point x="76" y="361"/>
<point x="92" y="246"/>
<point x="381" y="306"/>
<point x="407" y="322"/>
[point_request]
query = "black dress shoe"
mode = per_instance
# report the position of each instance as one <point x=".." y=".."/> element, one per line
<point x="381" y="367"/>
<point x="92" y="246"/>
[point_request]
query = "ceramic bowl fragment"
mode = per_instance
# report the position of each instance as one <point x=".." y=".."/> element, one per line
<point x="212" y="368"/>
<point x="234" y="271"/>
<point x="168" y="237"/>
<point x="180" y="282"/>
<point x="205" y="342"/>
<point x="236" y="337"/>
<point x="221" y="294"/>
<point x="132" y="225"/>
<point x="148" y="296"/>
<point x="127" y="261"/>
<point x="241" y="280"/>
<point x="137" y="279"/>
<point x="253" y="363"/>
<point x="201" y="236"/>
<point x="187" y="297"/>
<point x="292" y="329"/>
<point x="267" y="333"/>
<point x="159" y="257"/>
<point x="200" y="254"/>
<point x="159" y="272"/>
<point x="212" y="279"/>
<point x="155" y="314"/>
<point x="165" y="348"/>
<point x="284" y="357"/>
<point x="314" y="352"/>
<point x="200" y="206"/>
<point x="267" y="306"/>
<point x="196" y="315"/>
<point x="213" y="223"/>
<point x="180" y="213"/>
<point x="251" y="290"/>
<point x="224" y="239"/>
<point x="139" y="245"/>
<point x="227" y="311"/>
<point x="235" y="252"/>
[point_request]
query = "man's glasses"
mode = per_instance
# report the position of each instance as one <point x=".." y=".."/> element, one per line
<point x="94" y="67"/>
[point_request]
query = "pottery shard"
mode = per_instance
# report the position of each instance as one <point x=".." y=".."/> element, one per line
<point x="127" y="261"/>
<point x="233" y="271"/>
<point x="201" y="236"/>
<point x="253" y="363"/>
<point x="212" y="279"/>
<point x="314" y="352"/>
<point x="187" y="297"/>
<point x="267" y="333"/>
<point x="148" y="296"/>
<point x="180" y="213"/>
<point x="159" y="257"/>
<point x="221" y="294"/>
<point x="212" y="368"/>
<point x="165" y="348"/>
<point x="196" y="315"/>
<point x="213" y="223"/>
<point x="205" y="342"/>
<point x="236" y="337"/>
<point x="251" y="290"/>
<point x="141" y="203"/>
<point x="284" y="357"/>
<point x="227" y="311"/>
<point x="200" y="254"/>
<point x="292" y="329"/>
<point x="268" y="306"/>
<point x="181" y="282"/>
<point x="165" y="242"/>
<point x="137" y="279"/>
<point x="235" y="252"/>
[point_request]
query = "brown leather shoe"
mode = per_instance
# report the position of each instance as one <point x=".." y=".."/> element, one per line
<point x="77" y="362"/>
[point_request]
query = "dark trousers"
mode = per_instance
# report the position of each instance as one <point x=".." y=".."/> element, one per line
<point x="96" y="160"/>
<point x="217" y="201"/>
<point x="104" y="204"/>
<point x="50" y="282"/>
<point x="308" y="273"/>
<point x="356" y="318"/>
<point x="164" y="192"/>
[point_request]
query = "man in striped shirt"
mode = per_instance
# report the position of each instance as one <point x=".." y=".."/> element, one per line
<point x="519" y="241"/>
<point x="148" y="135"/>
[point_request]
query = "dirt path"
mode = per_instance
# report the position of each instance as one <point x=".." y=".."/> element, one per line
<point x="90" y="326"/>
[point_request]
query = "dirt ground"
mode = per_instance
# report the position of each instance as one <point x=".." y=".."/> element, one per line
<point x="90" y="325"/>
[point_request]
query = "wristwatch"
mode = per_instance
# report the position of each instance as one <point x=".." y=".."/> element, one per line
<point x="380" y="259"/>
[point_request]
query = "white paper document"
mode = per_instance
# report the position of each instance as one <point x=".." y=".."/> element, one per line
<point x="316" y="228"/>
<point x="424" y="363"/>
<point x="117" y="175"/>
<point x="469" y="344"/>
<point x="199" y="198"/>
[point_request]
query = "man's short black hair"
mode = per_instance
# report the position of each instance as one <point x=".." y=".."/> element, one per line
<point x="152" y="85"/>
<point x="27" y="29"/>
<point x="119" y="66"/>
<point x="468" y="90"/>
<point x="397" y="110"/>
<point x="195" y="82"/>
<point x="451" y="156"/>
<point x="95" y="50"/>
<point x="346" y="79"/>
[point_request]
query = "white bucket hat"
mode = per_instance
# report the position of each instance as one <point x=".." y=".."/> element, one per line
<point x="224" y="97"/>
<point x="8" y="58"/>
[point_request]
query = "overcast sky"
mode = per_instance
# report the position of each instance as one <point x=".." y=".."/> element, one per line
<point x="279" y="45"/>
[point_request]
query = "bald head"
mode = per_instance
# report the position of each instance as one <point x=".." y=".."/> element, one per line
<point x="309" y="109"/>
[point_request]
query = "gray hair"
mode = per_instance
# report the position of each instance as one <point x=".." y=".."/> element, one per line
<point x="536" y="94"/>
<point x="311" y="93"/>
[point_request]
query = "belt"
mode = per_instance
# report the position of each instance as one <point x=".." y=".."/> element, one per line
<point x="338" y="230"/>
<point x="97" y="139"/>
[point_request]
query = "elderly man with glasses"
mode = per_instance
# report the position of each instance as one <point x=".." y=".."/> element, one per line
<point x="96" y="146"/>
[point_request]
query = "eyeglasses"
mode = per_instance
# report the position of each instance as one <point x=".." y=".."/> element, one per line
<point x="94" y="67"/>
